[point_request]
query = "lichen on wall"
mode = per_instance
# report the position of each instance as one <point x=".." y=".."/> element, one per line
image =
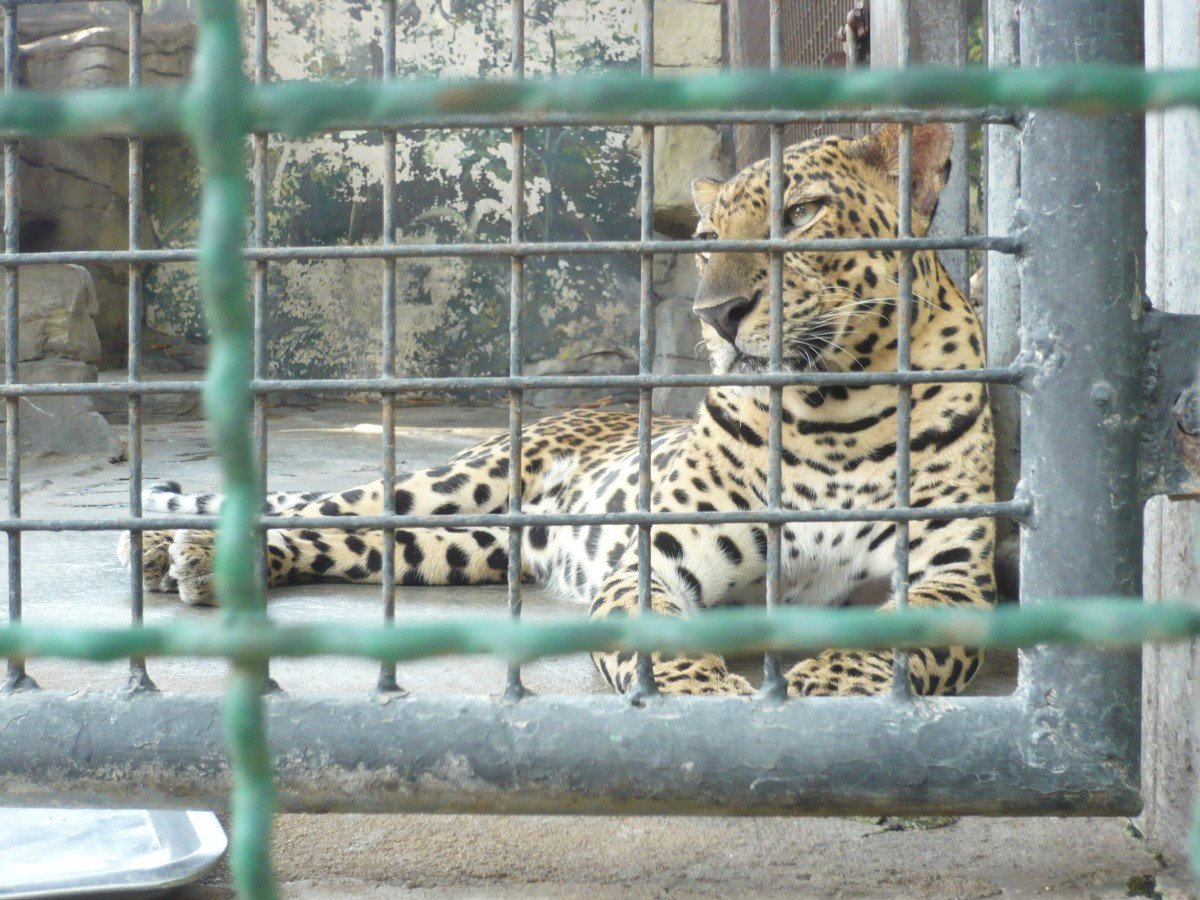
<point x="581" y="184"/>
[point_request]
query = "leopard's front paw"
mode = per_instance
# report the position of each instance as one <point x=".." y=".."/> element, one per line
<point x="841" y="673"/>
<point x="156" y="560"/>
<point x="706" y="676"/>
<point x="191" y="554"/>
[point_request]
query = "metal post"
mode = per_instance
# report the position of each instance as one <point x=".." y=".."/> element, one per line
<point x="514" y="689"/>
<point x="387" y="683"/>
<point x="904" y="308"/>
<point x="774" y="684"/>
<point x="139" y="679"/>
<point x="1082" y="186"/>
<point x="1003" y="308"/>
<point x="16" y="678"/>
<point x="646" y="685"/>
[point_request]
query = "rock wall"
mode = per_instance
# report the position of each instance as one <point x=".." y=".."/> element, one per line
<point x="74" y="193"/>
<point x="689" y="36"/>
<point x="324" y="317"/>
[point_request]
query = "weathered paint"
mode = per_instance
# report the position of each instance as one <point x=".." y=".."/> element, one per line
<point x="324" y="316"/>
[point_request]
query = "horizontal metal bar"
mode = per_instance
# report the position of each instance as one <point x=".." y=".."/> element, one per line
<point x="506" y="249"/>
<point x="1011" y="375"/>
<point x="729" y="632"/>
<point x="986" y="115"/>
<point x="1024" y="754"/>
<point x="302" y="108"/>
<point x="1015" y="509"/>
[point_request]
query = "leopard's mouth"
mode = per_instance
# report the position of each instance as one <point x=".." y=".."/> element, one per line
<point x="805" y="353"/>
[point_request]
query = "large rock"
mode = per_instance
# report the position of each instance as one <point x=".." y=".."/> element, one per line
<point x="74" y="193"/>
<point x="677" y="336"/>
<point x="58" y="311"/>
<point x="155" y="407"/>
<point x="688" y="34"/>
<point x="65" y="426"/>
<point x="601" y="362"/>
<point x="681" y="153"/>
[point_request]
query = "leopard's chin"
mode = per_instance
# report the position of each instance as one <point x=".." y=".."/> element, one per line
<point x="749" y="364"/>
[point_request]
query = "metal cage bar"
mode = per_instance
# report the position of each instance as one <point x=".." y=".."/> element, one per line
<point x="1065" y="741"/>
<point x="16" y="678"/>
<point x="387" y="670"/>
<point x="516" y="353"/>
<point x="904" y="313"/>
<point x="139" y="678"/>
<point x="646" y="685"/>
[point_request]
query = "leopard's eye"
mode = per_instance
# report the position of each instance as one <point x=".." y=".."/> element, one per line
<point x="800" y="214"/>
<point x="705" y="236"/>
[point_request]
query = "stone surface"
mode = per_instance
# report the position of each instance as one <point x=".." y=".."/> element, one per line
<point x="74" y="193"/>
<point x="58" y="310"/>
<point x="617" y="361"/>
<point x="677" y="334"/>
<point x="676" y="277"/>
<point x="171" y="353"/>
<point x="155" y="407"/>
<point x="681" y="153"/>
<point x="65" y="426"/>
<point x="687" y="34"/>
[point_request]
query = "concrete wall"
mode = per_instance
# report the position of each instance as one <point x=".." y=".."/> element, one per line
<point x="1171" y="730"/>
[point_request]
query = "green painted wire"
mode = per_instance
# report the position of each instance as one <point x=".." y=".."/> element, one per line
<point x="300" y="108"/>
<point x="216" y="113"/>
<point x="251" y="641"/>
<point x="304" y="107"/>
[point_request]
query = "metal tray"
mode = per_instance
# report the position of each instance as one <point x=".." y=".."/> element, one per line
<point x="67" y="852"/>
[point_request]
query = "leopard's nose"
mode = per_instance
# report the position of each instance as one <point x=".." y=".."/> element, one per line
<point x="726" y="317"/>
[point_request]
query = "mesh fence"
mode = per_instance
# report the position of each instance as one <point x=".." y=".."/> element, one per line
<point x="221" y="106"/>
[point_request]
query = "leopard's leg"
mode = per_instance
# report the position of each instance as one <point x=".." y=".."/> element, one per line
<point x="424" y="556"/>
<point x="475" y="483"/>
<point x="156" y="560"/>
<point x="673" y="674"/>
<point x="938" y="670"/>
<point x="691" y="569"/>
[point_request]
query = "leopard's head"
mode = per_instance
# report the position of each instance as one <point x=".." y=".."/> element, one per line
<point x="834" y="187"/>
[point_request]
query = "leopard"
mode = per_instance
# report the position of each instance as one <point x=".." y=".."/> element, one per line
<point x="840" y="313"/>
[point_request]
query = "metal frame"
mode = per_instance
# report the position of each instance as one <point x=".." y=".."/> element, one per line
<point x="1065" y="742"/>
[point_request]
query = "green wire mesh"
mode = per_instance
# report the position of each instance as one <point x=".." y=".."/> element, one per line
<point x="220" y="106"/>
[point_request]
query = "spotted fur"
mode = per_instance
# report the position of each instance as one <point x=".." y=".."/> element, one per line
<point x="839" y="449"/>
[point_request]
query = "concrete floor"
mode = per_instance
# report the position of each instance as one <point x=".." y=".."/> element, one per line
<point x="75" y="578"/>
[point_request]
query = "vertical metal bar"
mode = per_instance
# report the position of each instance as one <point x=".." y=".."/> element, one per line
<point x="1003" y="180"/>
<point x="514" y="690"/>
<point x="774" y="684"/>
<point x="139" y="679"/>
<point x="16" y="678"/>
<point x="646" y="686"/>
<point x="387" y="671"/>
<point x="260" y="238"/>
<point x="1083" y="175"/>
<point x="904" y="304"/>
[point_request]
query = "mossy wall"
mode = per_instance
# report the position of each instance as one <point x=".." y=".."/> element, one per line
<point x="324" y="317"/>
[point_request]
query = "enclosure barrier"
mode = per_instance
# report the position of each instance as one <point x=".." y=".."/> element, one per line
<point x="1091" y="769"/>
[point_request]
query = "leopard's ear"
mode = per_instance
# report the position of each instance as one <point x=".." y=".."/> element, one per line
<point x="931" y="148"/>
<point x="704" y="194"/>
